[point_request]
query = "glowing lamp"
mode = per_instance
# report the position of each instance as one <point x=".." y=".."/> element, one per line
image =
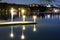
<point x="34" y="17"/>
<point x="23" y="11"/>
<point x="34" y="29"/>
<point x="11" y="35"/>
<point x="48" y="16"/>
<point x="56" y="10"/>
<point x="22" y="37"/>
<point x="24" y="27"/>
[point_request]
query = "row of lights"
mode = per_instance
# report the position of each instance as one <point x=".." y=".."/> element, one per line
<point x="23" y="16"/>
<point x="23" y="28"/>
<point x="54" y="10"/>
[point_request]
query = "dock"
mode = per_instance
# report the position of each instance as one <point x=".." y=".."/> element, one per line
<point x="17" y="23"/>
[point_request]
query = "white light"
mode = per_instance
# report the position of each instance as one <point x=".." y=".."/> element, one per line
<point x="12" y="10"/>
<point x="22" y="10"/>
<point x="34" y="17"/>
<point x="34" y="29"/>
<point x="11" y="35"/>
<point x="22" y="36"/>
<point x="24" y="27"/>
<point x="48" y="16"/>
<point x="55" y="10"/>
<point x="24" y="17"/>
<point x="48" y="5"/>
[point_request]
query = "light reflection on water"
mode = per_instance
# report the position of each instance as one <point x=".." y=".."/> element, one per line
<point x="47" y="28"/>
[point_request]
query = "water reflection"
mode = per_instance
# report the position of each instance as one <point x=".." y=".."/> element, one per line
<point x="50" y="16"/>
<point x="22" y="35"/>
<point x="23" y="31"/>
<point x="34" y="28"/>
<point x="12" y="14"/>
<point x="11" y="34"/>
<point x="47" y="16"/>
<point x="23" y="27"/>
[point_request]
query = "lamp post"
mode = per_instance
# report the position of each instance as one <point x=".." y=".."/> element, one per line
<point x="19" y="12"/>
<point x="23" y="17"/>
<point x="12" y="13"/>
<point x="34" y="17"/>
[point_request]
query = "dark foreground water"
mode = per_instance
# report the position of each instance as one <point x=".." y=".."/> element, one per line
<point x="46" y="29"/>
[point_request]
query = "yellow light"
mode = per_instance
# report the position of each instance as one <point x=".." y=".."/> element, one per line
<point x="34" y="29"/>
<point x="11" y="35"/>
<point x="22" y="37"/>
<point x="34" y="17"/>
<point x="23" y="11"/>
<point x="24" y="27"/>
<point x="23" y="17"/>
<point x="12" y="11"/>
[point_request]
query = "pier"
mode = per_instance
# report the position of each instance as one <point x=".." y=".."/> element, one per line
<point x="17" y="23"/>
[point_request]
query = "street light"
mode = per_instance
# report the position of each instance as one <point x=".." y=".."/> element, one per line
<point x="34" y="17"/>
<point x="23" y="17"/>
<point x="22" y="11"/>
<point x="12" y="13"/>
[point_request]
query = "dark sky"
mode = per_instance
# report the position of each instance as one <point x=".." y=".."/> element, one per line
<point x="27" y="1"/>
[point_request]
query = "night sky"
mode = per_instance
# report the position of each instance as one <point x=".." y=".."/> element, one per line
<point x="28" y="1"/>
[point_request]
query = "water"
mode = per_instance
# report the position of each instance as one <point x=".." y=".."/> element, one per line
<point x="47" y="28"/>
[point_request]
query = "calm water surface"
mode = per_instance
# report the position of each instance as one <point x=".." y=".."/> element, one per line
<point x="47" y="28"/>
